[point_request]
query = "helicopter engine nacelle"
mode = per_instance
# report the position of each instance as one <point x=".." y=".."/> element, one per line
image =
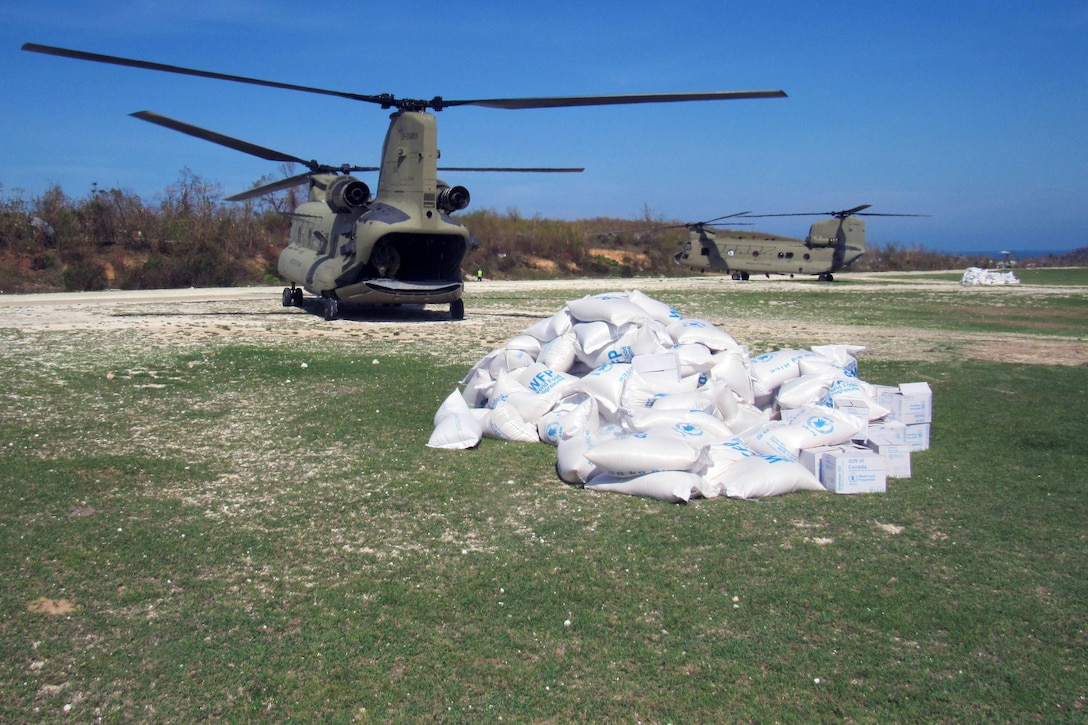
<point x="347" y="193"/>
<point x="452" y="198"/>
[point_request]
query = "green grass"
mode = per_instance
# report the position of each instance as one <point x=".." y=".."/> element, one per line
<point x="243" y="538"/>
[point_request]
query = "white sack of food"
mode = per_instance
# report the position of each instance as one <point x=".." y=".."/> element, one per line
<point x="505" y="423"/>
<point x="694" y="400"/>
<point x="694" y="357"/>
<point x="854" y="389"/>
<point x="697" y="427"/>
<point x="542" y="380"/>
<point x="559" y="352"/>
<point x="552" y="327"/>
<point x="759" y="476"/>
<point x="720" y="458"/>
<point x="618" y="348"/>
<point x="636" y="454"/>
<point x="690" y="330"/>
<point x="455" y="427"/>
<point x="807" y="389"/>
<point x="592" y="336"/>
<point x="605" y="383"/>
<point x="529" y="404"/>
<point x="571" y="463"/>
<point x="771" y="369"/>
<point x="843" y="357"/>
<point x="814" y="426"/>
<point x="526" y="343"/>
<point x="505" y="360"/>
<point x="613" y="307"/>
<point x="668" y="486"/>
<point x="569" y="418"/>
<point x="478" y="384"/>
<point x="734" y="369"/>
<point x="640" y="392"/>
<point x="657" y="310"/>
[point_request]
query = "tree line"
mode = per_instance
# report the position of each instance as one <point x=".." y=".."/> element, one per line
<point x="189" y="237"/>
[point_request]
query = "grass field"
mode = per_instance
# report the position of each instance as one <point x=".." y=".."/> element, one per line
<point x="212" y="530"/>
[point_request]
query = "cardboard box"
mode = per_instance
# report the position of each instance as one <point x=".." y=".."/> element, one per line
<point x="810" y="457"/>
<point x="854" y="469"/>
<point x="917" y="437"/>
<point x="895" y="431"/>
<point x="658" y="368"/>
<point x="911" y="403"/>
<point x="896" y="455"/>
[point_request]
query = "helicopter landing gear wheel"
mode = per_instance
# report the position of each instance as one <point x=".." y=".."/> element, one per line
<point x="332" y="308"/>
<point x="296" y="296"/>
<point x="744" y="276"/>
<point x="288" y="298"/>
<point x="457" y="310"/>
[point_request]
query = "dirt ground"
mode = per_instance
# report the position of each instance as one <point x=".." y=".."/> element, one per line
<point x="256" y="313"/>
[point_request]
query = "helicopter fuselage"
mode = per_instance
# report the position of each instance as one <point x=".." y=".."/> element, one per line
<point x="401" y="247"/>
<point x="832" y="245"/>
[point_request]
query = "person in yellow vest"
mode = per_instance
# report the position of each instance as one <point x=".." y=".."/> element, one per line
<point x="479" y="275"/>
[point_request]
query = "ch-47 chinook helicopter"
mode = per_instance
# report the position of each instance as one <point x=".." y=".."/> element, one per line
<point x="402" y="245"/>
<point x="831" y="245"/>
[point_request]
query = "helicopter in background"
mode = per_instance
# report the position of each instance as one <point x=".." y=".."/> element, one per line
<point x="831" y="245"/>
<point x="403" y="244"/>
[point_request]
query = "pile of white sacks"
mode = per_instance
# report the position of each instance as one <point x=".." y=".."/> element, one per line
<point x="640" y="400"/>
<point x="977" y="275"/>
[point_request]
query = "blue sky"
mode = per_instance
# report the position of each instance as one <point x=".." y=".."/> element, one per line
<point x="975" y="113"/>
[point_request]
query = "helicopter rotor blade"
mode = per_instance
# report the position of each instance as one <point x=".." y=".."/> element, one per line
<point x="386" y="100"/>
<point x="218" y="138"/>
<point x="856" y="211"/>
<point x="163" y="67"/>
<point x="269" y="188"/>
<point x="244" y="146"/>
<point x="613" y="100"/>
<point x="725" y="216"/>
<point x="530" y="170"/>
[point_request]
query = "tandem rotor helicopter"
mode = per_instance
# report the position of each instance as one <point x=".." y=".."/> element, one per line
<point x="401" y="245"/>
<point x="831" y="245"/>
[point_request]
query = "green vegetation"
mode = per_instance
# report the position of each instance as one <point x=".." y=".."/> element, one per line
<point x="213" y="530"/>
<point x="188" y="237"/>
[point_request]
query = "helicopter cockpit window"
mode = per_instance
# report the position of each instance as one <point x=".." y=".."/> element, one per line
<point x="705" y="252"/>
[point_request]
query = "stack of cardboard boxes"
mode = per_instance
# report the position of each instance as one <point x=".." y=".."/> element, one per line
<point x="881" y="450"/>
